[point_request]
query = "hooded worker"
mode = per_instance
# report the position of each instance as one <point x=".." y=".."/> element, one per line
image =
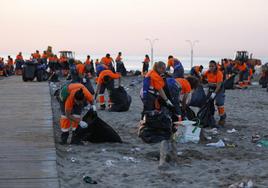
<point x="72" y="100"/>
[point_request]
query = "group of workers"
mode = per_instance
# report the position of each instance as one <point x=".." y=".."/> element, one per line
<point x="162" y="89"/>
<point x="161" y="86"/>
<point x="78" y="94"/>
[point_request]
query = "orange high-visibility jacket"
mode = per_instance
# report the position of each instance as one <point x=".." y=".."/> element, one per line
<point x="72" y="89"/>
<point x="109" y="73"/>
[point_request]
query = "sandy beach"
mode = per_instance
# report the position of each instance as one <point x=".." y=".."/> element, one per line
<point x="135" y="163"/>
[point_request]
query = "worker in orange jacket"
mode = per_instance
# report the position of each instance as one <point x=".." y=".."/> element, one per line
<point x="53" y="63"/>
<point x="187" y="84"/>
<point x="71" y="108"/>
<point x="89" y="67"/>
<point x="19" y="56"/>
<point x="44" y="57"/>
<point x="63" y="65"/>
<point x="10" y="66"/>
<point x="3" y="70"/>
<point x="178" y="70"/>
<point x="119" y="57"/>
<point x="178" y="91"/>
<point x="118" y="61"/>
<point x="19" y="61"/>
<point x="81" y="70"/>
<point x="106" y="81"/>
<point x="243" y="72"/>
<point x="153" y="89"/>
<point x="108" y="61"/>
<point x="36" y="55"/>
<point x="214" y="78"/>
<point x="145" y="65"/>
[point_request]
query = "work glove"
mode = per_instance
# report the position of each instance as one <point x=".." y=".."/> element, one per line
<point x="93" y="107"/>
<point x="87" y="107"/>
<point x="84" y="80"/>
<point x="169" y="103"/>
<point x="213" y="95"/>
<point x="83" y="124"/>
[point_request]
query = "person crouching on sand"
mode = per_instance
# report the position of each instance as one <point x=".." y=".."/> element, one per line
<point x="177" y="67"/>
<point x="72" y="101"/>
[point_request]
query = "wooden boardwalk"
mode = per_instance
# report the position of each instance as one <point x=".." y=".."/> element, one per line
<point x="27" y="148"/>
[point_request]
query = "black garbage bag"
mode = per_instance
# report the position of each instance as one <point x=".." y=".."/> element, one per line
<point x="199" y="97"/>
<point x="264" y="80"/>
<point x="206" y="114"/>
<point x="229" y="83"/>
<point x="157" y="127"/>
<point x="98" y="131"/>
<point x="120" y="67"/>
<point x="54" y="77"/>
<point x="189" y="114"/>
<point x="120" y="99"/>
<point x="29" y="71"/>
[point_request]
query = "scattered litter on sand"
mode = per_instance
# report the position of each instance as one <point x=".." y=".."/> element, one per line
<point x="73" y="160"/>
<point x="109" y="163"/>
<point x="231" y="131"/>
<point x="219" y="144"/>
<point x="103" y="150"/>
<point x="263" y="143"/>
<point x="131" y="159"/>
<point x="135" y="149"/>
<point x="213" y="131"/>
<point x="243" y="184"/>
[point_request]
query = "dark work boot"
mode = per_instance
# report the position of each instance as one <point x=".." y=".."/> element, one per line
<point x="102" y="107"/>
<point x="64" y="138"/>
<point x="76" y="140"/>
<point x="222" y="120"/>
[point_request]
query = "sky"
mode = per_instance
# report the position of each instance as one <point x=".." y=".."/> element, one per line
<point x="100" y="26"/>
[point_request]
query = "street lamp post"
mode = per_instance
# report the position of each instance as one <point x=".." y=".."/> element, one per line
<point x="192" y="43"/>
<point x="152" y="41"/>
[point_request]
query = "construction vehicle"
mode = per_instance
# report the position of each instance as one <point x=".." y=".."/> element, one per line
<point x="67" y="54"/>
<point x="248" y="59"/>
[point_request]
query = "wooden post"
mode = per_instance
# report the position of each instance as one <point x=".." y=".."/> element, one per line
<point x="168" y="154"/>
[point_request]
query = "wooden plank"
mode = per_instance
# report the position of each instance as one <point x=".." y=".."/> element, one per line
<point x="30" y="183"/>
<point x="28" y="155"/>
<point x="28" y="169"/>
